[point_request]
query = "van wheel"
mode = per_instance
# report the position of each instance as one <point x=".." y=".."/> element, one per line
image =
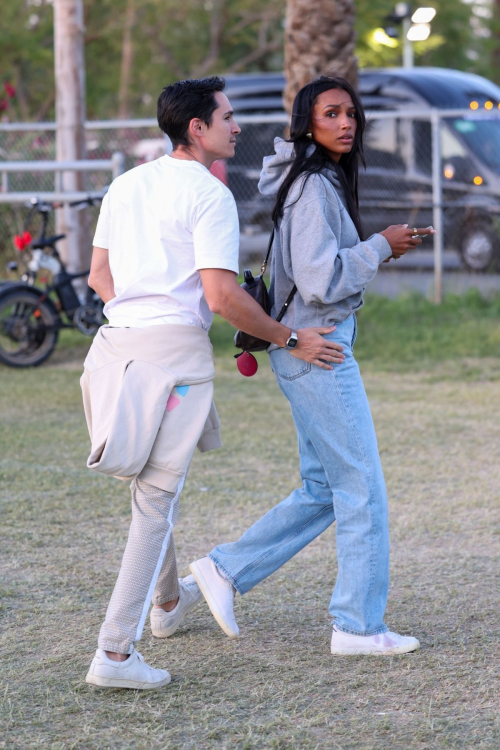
<point x="479" y="247"/>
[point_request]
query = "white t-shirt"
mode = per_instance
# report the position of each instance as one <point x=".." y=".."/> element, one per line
<point x="161" y="223"/>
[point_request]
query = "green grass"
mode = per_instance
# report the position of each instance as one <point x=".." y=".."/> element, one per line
<point x="411" y="330"/>
<point x="277" y="687"/>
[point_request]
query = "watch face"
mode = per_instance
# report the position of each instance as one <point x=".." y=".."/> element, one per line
<point x="292" y="341"/>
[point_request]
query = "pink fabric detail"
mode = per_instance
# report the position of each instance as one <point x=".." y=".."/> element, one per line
<point x="172" y="402"/>
<point x="376" y="638"/>
<point x="387" y="641"/>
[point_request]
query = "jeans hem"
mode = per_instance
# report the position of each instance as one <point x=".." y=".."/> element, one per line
<point x="226" y="573"/>
<point x="376" y="631"/>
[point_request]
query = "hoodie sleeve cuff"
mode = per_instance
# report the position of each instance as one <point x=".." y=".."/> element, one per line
<point x="381" y="246"/>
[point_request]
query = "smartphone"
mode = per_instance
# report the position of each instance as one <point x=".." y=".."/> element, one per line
<point x="422" y="236"/>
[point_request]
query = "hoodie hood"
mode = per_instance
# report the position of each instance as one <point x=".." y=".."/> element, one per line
<point x="276" y="167"/>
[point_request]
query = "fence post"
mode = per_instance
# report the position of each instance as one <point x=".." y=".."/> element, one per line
<point x="437" y="208"/>
<point x="118" y="164"/>
<point x="69" y="59"/>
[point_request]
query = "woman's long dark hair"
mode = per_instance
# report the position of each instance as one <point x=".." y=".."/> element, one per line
<point x="346" y="168"/>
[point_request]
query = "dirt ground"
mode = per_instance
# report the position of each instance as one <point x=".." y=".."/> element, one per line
<point x="63" y="533"/>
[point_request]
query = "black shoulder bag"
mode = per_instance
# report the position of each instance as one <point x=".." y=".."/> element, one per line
<point x="257" y="289"/>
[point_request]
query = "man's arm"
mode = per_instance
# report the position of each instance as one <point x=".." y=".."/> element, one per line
<point x="100" y="278"/>
<point x="228" y="299"/>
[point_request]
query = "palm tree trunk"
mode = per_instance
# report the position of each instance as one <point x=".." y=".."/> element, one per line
<point x="496" y="37"/>
<point x="319" y="39"/>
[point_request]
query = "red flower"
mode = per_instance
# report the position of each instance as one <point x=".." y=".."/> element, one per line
<point x="22" y="240"/>
<point x="9" y="90"/>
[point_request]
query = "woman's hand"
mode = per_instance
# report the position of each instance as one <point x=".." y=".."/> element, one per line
<point x="401" y="239"/>
<point x="314" y="348"/>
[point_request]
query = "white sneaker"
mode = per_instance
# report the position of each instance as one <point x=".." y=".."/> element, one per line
<point x="132" y="673"/>
<point x="218" y="592"/>
<point x="384" y="644"/>
<point x="164" y="624"/>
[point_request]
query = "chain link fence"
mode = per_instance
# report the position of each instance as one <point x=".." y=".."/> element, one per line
<point x="423" y="167"/>
<point x="139" y="141"/>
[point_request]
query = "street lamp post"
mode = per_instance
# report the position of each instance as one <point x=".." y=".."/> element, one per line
<point x="408" y="58"/>
<point x="415" y="27"/>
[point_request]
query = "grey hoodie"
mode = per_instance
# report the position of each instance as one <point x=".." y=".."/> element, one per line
<point x="317" y="247"/>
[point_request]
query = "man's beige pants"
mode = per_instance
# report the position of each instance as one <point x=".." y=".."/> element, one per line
<point x="149" y="569"/>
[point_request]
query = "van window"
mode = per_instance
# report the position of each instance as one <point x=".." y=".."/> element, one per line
<point x="383" y="144"/>
<point x="482" y="136"/>
<point x="450" y="145"/>
<point x="422" y="143"/>
<point x="422" y="139"/>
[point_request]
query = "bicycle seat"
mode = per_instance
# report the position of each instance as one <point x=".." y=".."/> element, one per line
<point x="46" y="242"/>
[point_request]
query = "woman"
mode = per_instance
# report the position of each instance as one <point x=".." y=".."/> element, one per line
<point x="317" y="247"/>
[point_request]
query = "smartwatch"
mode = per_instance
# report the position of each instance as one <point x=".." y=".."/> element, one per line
<point x="292" y="341"/>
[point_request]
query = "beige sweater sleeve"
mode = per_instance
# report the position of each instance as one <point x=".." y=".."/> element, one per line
<point x="124" y="405"/>
<point x="211" y="438"/>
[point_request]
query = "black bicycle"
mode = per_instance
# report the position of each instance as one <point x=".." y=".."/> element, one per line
<point x="30" y="316"/>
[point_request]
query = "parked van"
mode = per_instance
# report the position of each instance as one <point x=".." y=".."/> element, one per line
<point x="397" y="184"/>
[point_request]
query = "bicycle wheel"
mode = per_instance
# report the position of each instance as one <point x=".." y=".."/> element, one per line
<point x="29" y="329"/>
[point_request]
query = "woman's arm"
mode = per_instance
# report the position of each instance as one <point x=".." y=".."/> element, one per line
<point x="324" y="272"/>
<point x="100" y="278"/>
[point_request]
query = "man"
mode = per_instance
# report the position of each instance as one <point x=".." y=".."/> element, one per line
<point x="165" y="259"/>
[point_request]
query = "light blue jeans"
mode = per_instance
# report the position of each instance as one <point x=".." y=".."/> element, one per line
<point x="342" y="480"/>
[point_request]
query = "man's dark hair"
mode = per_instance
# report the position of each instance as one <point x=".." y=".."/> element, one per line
<point x="180" y="102"/>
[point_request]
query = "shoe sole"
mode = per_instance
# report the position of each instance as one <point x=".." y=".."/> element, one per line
<point x="171" y="631"/>
<point x="374" y="652"/>
<point x="112" y="682"/>
<point x="205" y="590"/>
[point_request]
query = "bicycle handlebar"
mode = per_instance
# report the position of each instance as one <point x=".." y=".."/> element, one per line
<point x="45" y="206"/>
<point x="85" y="202"/>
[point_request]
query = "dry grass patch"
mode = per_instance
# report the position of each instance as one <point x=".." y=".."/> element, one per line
<point x="277" y="686"/>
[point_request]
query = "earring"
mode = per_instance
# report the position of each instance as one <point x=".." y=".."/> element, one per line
<point x="309" y="135"/>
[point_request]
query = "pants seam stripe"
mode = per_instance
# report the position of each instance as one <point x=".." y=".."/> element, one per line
<point x="152" y="585"/>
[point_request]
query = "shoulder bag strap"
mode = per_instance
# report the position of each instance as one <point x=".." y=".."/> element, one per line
<point x="269" y="248"/>
<point x="285" y="306"/>
<point x="262" y="271"/>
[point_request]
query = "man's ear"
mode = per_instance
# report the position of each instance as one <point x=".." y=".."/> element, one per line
<point x="196" y="127"/>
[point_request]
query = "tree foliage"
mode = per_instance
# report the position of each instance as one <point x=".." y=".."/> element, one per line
<point x="172" y="39"/>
